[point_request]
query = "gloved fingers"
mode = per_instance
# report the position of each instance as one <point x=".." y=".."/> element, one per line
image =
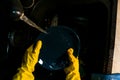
<point x="37" y="46"/>
<point x="72" y="58"/>
<point x="74" y="63"/>
<point x="36" y="51"/>
<point x="70" y="51"/>
<point x="31" y="55"/>
<point x="30" y="49"/>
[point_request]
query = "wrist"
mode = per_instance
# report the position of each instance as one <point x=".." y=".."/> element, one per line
<point x="23" y="74"/>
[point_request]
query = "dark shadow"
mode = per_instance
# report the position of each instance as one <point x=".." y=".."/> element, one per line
<point x="90" y="21"/>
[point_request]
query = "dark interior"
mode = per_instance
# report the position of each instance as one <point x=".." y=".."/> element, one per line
<point x="91" y="21"/>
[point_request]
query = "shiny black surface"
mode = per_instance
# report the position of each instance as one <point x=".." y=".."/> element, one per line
<point x="55" y="45"/>
<point x="95" y="27"/>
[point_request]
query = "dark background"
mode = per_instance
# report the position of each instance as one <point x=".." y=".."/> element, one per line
<point x="93" y="20"/>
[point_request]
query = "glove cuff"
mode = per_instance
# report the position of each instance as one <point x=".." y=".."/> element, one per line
<point x="23" y="75"/>
<point x="73" y="76"/>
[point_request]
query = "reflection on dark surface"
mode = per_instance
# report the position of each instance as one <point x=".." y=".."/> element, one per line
<point x="88" y="20"/>
<point x="43" y="74"/>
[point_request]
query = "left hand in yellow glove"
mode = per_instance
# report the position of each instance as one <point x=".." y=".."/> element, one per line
<point x="72" y="71"/>
<point x="28" y="63"/>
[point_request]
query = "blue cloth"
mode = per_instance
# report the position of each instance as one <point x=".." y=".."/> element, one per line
<point x="115" y="76"/>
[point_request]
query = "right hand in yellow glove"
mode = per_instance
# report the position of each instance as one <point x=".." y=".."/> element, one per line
<point x="72" y="71"/>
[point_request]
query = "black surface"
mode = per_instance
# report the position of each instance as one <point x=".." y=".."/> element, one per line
<point x="94" y="34"/>
<point x="55" y="45"/>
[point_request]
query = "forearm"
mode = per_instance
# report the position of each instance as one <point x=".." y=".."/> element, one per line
<point x="73" y="76"/>
<point x="23" y="75"/>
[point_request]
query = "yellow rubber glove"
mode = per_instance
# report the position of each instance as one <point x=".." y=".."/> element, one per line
<point x="28" y="63"/>
<point x="72" y="71"/>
